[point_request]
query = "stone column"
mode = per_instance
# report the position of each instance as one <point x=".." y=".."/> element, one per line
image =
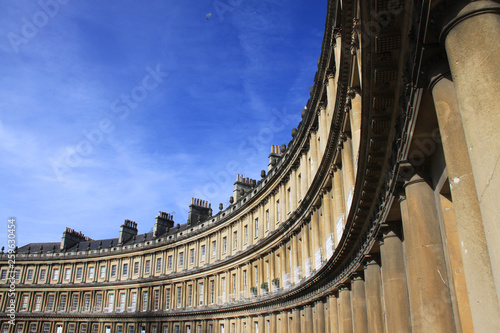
<point x="347" y="171"/>
<point x="272" y="211"/>
<point x="283" y="216"/>
<point x="394" y="284"/>
<point x="474" y="249"/>
<point x="284" y="321"/>
<point x="313" y="152"/>
<point x="262" y="326"/>
<point x="373" y="292"/>
<point x="316" y="236"/>
<point x="320" y="317"/>
<point x="322" y="121"/>
<point x="296" y="321"/>
<point x="345" y="312"/>
<point x="304" y="178"/>
<point x="333" y="314"/>
<point x="327" y="221"/>
<point x="293" y="189"/>
<point x="471" y="39"/>
<point x="273" y="323"/>
<point x="430" y="301"/>
<point x="358" y="300"/>
<point x="337" y="49"/>
<point x="339" y="204"/>
<point x="355" y="117"/>
<point x="330" y="94"/>
<point x="295" y="259"/>
<point x="262" y="221"/>
<point x="306" y="254"/>
<point x="251" y="227"/>
<point x="308" y="318"/>
<point x="283" y="263"/>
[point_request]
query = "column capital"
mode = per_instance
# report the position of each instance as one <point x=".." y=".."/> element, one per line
<point x="357" y="276"/>
<point x="415" y="179"/>
<point x="460" y="13"/>
<point x="412" y="170"/>
<point x="371" y="260"/>
<point x="437" y="69"/>
<point x="337" y="32"/>
<point x="346" y="286"/>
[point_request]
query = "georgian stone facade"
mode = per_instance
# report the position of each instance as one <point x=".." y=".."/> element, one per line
<point x="378" y="216"/>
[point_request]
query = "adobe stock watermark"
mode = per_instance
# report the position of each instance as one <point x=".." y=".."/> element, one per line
<point x="223" y="180"/>
<point x="32" y="25"/>
<point x="120" y="108"/>
<point x="11" y="276"/>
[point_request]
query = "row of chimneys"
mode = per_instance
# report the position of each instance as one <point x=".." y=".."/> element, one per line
<point x="130" y="224"/>
<point x="275" y="155"/>
<point x="166" y="216"/>
<point x="275" y="149"/>
<point x="248" y="181"/>
<point x="200" y="203"/>
<point x="77" y="234"/>
<point x="71" y="237"/>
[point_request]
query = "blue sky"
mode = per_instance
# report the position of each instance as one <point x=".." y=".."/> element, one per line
<point x="113" y="110"/>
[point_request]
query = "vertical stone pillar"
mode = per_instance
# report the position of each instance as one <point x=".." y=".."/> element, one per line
<point x="373" y="293"/>
<point x="308" y="318"/>
<point x="283" y="263"/>
<point x="345" y="312"/>
<point x="284" y="321"/>
<point x="293" y="190"/>
<point x="313" y="152"/>
<point x="262" y="277"/>
<point x="282" y="193"/>
<point x="316" y="236"/>
<point x="347" y="171"/>
<point x="306" y="254"/>
<point x="295" y="262"/>
<point x="272" y="211"/>
<point x="327" y="221"/>
<point x="304" y="183"/>
<point x="394" y="284"/>
<point x="330" y="94"/>
<point x="323" y="127"/>
<point x="337" y="49"/>
<point x="475" y="67"/>
<point x="262" y="327"/>
<point x="355" y="117"/>
<point x="430" y="301"/>
<point x="358" y="300"/>
<point x="333" y="314"/>
<point x="320" y="317"/>
<point x="273" y="323"/>
<point x="296" y="320"/>
<point x="262" y="221"/>
<point x="339" y="204"/>
<point x="481" y="288"/>
<point x="251" y="227"/>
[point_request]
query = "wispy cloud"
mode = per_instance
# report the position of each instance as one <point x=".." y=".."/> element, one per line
<point x="203" y="124"/>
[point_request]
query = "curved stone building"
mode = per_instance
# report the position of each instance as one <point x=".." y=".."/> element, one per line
<point x="380" y="215"/>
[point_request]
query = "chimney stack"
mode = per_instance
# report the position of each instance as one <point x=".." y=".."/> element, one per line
<point x="127" y="231"/>
<point x="274" y="156"/>
<point x="71" y="237"/>
<point x="163" y="222"/>
<point x="199" y="211"/>
<point x="242" y="186"/>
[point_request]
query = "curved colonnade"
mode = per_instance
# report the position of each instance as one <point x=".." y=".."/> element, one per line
<point x="355" y="228"/>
